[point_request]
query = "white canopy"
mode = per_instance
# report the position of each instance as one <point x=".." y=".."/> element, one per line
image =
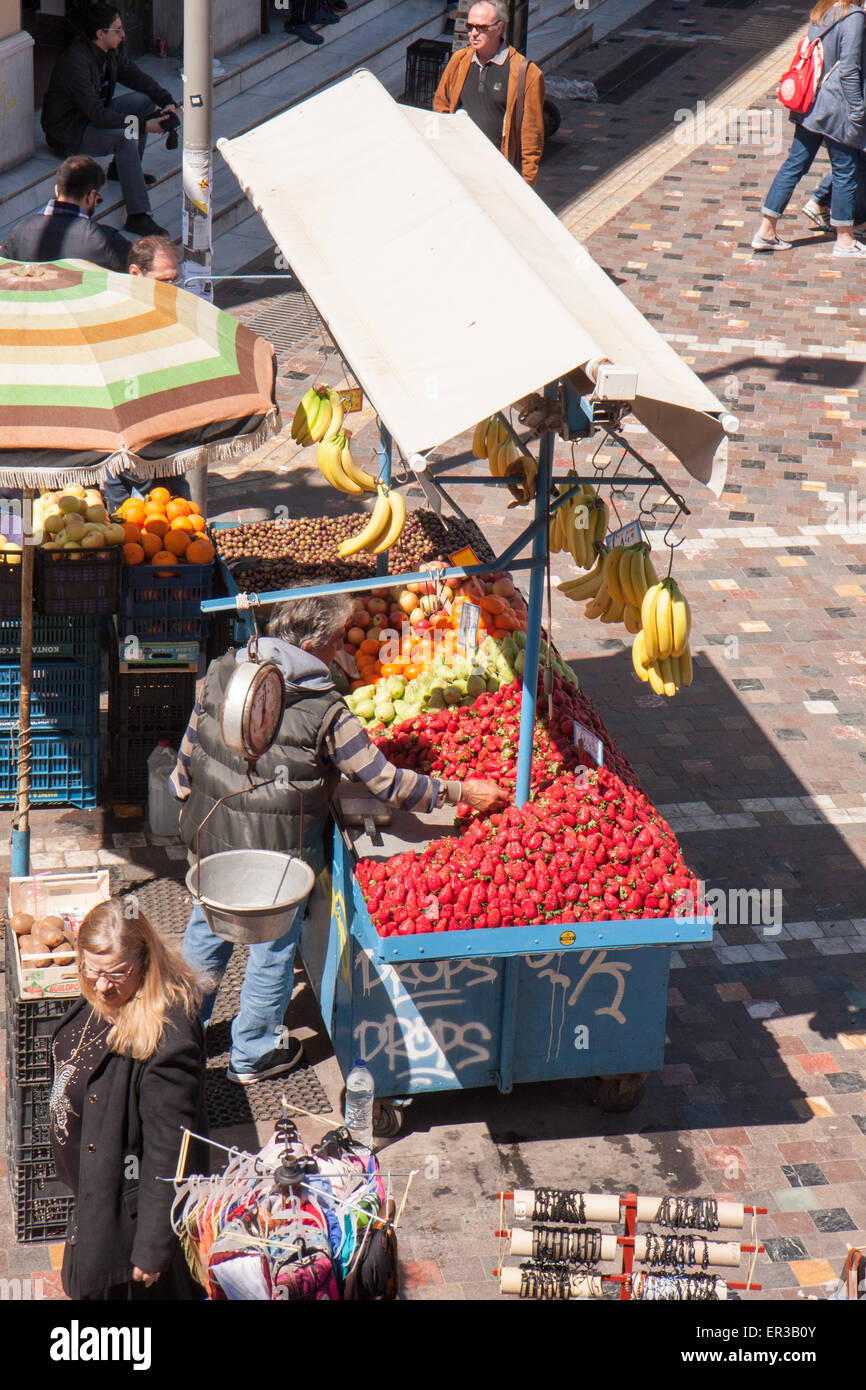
<point x="449" y="285"/>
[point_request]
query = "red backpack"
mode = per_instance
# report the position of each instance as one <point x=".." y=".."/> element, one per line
<point x="799" y="85"/>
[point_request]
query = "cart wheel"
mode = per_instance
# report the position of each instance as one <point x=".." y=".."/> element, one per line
<point x="387" y="1119"/>
<point x="552" y="119"/>
<point x="617" y="1094"/>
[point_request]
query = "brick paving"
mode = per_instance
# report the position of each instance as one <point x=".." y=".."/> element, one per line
<point x="760" y="767"/>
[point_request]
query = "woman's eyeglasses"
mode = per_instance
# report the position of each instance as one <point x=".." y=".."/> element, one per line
<point x="114" y="977"/>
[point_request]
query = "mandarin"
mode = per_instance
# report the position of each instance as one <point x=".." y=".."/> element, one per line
<point x="200" y="551"/>
<point x="176" y="542"/>
<point x="194" y="508"/>
<point x="164" y="557"/>
<point x="133" y="510"/>
<point x="151" y="545"/>
<point x="133" y="554"/>
<point x="176" y="507"/>
<point x="197" y="523"/>
<point x="184" y="523"/>
<point x="155" y="525"/>
<point x="131" y="533"/>
<point x="160" y="495"/>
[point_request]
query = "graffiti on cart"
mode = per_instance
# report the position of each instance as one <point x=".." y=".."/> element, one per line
<point x="426" y="1052"/>
<point x="409" y="1041"/>
<point x="549" y="967"/>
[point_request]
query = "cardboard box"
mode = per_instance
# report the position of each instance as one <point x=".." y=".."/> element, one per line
<point x="52" y="895"/>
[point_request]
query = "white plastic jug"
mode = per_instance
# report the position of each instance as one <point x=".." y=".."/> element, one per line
<point x="163" y="811"/>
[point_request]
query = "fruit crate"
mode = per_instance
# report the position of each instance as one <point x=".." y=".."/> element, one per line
<point x="63" y="768"/>
<point x="165" y="601"/>
<point x="41" y="1204"/>
<point x="426" y="60"/>
<point x="78" y="583"/>
<point x="70" y="895"/>
<point x="62" y="639"/>
<point x="29" y="1025"/>
<point x="28" y="1123"/>
<point x="10" y="586"/>
<point x="149" y="700"/>
<point x="63" y="695"/>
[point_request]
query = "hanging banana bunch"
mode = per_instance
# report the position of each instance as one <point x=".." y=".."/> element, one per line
<point x="660" y="651"/>
<point x="337" y="466"/>
<point x="383" y="528"/>
<point x="579" y="525"/>
<point x="319" y="415"/>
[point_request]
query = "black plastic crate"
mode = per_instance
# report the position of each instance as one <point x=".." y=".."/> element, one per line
<point x="28" y="1123"/>
<point x="41" y="1204"/>
<point x="165" y="601"/>
<point x="149" y="701"/>
<point x="10" y="585"/>
<point x="29" y="1025"/>
<point x="78" y="583"/>
<point x="129" y="753"/>
<point x="63" y="695"/>
<point x="62" y="639"/>
<point x="426" y="60"/>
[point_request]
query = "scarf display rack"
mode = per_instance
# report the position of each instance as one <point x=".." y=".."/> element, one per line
<point x="563" y="1256"/>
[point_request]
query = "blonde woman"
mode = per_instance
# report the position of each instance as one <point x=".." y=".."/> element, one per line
<point x="837" y="119"/>
<point x="129" y="1066"/>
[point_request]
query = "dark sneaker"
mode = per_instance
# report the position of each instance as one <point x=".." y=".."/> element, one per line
<point x="305" y="32"/>
<point x="326" y="16"/>
<point x="142" y="224"/>
<point x="112" y="175"/>
<point x="276" y="1063"/>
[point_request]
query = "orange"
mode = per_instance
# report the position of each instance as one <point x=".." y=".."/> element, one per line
<point x="197" y="523"/>
<point x="133" y="554"/>
<point x="164" y="557"/>
<point x="155" y="526"/>
<point x="131" y="533"/>
<point x="160" y="495"/>
<point x="150" y="544"/>
<point x="133" y="510"/>
<point x="200" y="551"/>
<point x="176" y="507"/>
<point x="194" y="508"/>
<point x="184" y="523"/>
<point x="176" y="542"/>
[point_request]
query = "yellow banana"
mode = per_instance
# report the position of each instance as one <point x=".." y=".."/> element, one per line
<point x="307" y="407"/>
<point x="611" y="575"/>
<point x="614" y="613"/>
<point x="372" y="533"/>
<point x="479" y="440"/>
<point x="632" y="619"/>
<point x="654" y="677"/>
<point x="637" y="575"/>
<point x="666" y="672"/>
<point x="600" y="604"/>
<point x="396" y="523"/>
<point x="335" y="424"/>
<point x="586" y="585"/>
<point x="328" y="460"/>
<point x="356" y="475"/>
<point x="638" y="657"/>
<point x="681" y="620"/>
<point x="648" y="622"/>
<point x="662" y="618"/>
<point x="686" y="672"/>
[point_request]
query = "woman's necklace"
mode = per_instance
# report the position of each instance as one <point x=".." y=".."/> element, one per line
<point x="59" y="1104"/>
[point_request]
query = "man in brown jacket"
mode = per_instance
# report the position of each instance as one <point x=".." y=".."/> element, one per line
<point x="498" y="88"/>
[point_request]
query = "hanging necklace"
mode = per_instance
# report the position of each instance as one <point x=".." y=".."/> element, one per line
<point x="59" y="1104"/>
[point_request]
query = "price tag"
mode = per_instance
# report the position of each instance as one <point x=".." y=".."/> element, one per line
<point x="586" y="739"/>
<point x="467" y="632"/>
<point x="464" y="557"/>
<point x="353" y="399"/>
<point x="626" y="535"/>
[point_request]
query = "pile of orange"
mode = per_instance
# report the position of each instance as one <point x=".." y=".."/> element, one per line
<point x="163" y="530"/>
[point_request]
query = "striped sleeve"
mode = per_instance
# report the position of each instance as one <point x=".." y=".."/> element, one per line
<point x="351" y="749"/>
<point x="178" y="782"/>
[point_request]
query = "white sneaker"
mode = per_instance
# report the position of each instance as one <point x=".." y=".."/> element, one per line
<point x="762" y="243"/>
<point x="850" y="252"/>
<point x="819" y="216"/>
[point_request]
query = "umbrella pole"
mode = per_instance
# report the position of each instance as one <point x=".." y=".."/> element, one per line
<point x="21" y="817"/>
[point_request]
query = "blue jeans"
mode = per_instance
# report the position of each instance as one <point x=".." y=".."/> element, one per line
<point x="844" y="163"/>
<point x="128" y="152"/>
<point x="823" y="193"/>
<point x="266" y="990"/>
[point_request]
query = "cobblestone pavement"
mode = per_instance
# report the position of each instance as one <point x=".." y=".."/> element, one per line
<point x="760" y="767"/>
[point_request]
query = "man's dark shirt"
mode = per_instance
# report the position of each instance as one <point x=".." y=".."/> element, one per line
<point x="484" y="95"/>
<point x="65" y="235"/>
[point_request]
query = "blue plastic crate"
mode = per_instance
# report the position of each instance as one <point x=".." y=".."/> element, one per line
<point x="165" y="601"/>
<point x="63" y="769"/>
<point x="63" y="639"/>
<point x="63" y="695"/>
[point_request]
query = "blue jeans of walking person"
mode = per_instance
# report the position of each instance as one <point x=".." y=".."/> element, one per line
<point x="824" y="192"/>
<point x="265" y="993"/>
<point x="844" y="163"/>
<point x="128" y="150"/>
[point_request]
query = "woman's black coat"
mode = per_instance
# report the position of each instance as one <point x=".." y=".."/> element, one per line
<point x="130" y="1136"/>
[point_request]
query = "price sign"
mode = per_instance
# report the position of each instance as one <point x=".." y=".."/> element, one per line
<point x="467" y="632"/>
<point x="464" y="557"/>
<point x="352" y="399"/>
<point x="626" y="535"/>
<point x="587" y="740"/>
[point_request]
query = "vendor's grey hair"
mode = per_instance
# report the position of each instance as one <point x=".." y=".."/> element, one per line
<point x="313" y="620"/>
<point x="499" y="8"/>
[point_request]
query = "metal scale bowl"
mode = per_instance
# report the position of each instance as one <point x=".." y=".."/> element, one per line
<point x="250" y="895"/>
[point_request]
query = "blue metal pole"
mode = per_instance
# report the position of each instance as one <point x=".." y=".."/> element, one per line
<point x="20" y="853"/>
<point x="385" y="477"/>
<point x="533" y="619"/>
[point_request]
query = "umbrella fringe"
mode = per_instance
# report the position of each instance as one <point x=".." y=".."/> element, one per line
<point x="174" y="466"/>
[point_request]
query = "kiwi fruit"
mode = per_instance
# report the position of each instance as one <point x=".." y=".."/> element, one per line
<point x="63" y="955"/>
<point x="48" y="935"/>
<point x="38" y="956"/>
<point x="55" y="923"/>
<point x="21" y="923"/>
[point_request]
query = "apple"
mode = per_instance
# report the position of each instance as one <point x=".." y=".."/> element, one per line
<point x="95" y="512"/>
<point x="416" y="616"/>
<point x="360" y="618"/>
<point x="379" y="620"/>
<point x="376" y="605"/>
<point x="407" y="601"/>
<point x="355" y="636"/>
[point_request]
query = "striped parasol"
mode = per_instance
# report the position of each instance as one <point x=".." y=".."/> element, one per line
<point x="101" y="373"/>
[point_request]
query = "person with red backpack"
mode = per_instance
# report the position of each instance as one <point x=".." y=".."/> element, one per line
<point x="824" y="93"/>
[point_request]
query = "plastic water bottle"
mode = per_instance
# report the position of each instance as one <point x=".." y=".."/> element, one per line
<point x="359" y="1104"/>
<point x="163" y="811"/>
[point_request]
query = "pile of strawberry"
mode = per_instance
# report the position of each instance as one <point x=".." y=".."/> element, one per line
<point x="589" y="849"/>
<point x="482" y="739"/>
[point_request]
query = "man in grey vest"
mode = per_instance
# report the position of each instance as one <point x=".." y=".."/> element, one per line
<point x="318" y="741"/>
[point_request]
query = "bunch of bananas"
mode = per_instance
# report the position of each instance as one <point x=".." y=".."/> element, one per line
<point x="616" y="584"/>
<point x="384" y="527"/>
<point x="579" y="525"/>
<point x="494" y="441"/>
<point x="660" y="651"/>
<point x="338" y="468"/>
<point x="319" y="415"/>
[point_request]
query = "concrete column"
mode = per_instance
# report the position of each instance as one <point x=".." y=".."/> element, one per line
<point x="16" y="94"/>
